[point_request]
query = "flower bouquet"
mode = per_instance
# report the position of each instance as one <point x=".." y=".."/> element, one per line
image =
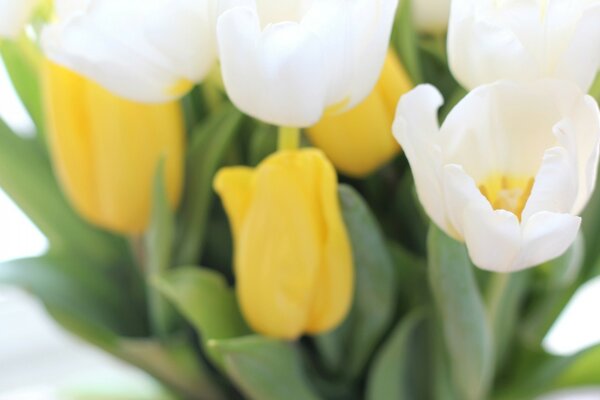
<point x="327" y="199"/>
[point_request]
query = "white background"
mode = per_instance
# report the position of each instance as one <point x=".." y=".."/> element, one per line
<point x="36" y="357"/>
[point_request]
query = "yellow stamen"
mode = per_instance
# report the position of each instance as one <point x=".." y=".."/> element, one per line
<point x="507" y="192"/>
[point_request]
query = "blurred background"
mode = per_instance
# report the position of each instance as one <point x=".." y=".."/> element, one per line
<point x="38" y="360"/>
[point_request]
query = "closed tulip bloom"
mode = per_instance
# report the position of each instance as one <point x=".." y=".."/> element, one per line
<point x="14" y="15"/>
<point x="106" y="150"/>
<point x="286" y="62"/>
<point x="431" y="16"/>
<point x="360" y="140"/>
<point x="293" y="262"/>
<point x="489" y="40"/>
<point x="143" y="50"/>
<point x="508" y="171"/>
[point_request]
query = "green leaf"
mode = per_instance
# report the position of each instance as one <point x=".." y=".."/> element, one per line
<point x="393" y="375"/>
<point x="22" y="62"/>
<point x="26" y="176"/>
<point x="207" y="302"/>
<point x="549" y="373"/>
<point x="206" y="149"/>
<point x="560" y="281"/>
<point x="466" y="330"/>
<point x="263" y="142"/>
<point x="595" y="90"/>
<point x="77" y="288"/>
<point x="349" y="348"/>
<point x="158" y="252"/>
<point x="175" y="363"/>
<point x="406" y="41"/>
<point x="265" y="369"/>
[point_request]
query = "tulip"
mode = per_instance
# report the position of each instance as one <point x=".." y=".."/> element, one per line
<point x="489" y="40"/>
<point x="360" y="141"/>
<point x="14" y="15"/>
<point x="287" y="62"/>
<point x="293" y="261"/>
<point x="146" y="51"/>
<point x="431" y="16"/>
<point x="106" y="150"/>
<point x="508" y="171"/>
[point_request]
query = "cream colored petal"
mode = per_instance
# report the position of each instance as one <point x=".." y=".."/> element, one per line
<point x="416" y="130"/>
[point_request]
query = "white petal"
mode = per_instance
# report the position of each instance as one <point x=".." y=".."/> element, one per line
<point x="356" y="37"/>
<point x="13" y="16"/>
<point x="460" y="192"/>
<point x="523" y="40"/>
<point x="278" y="75"/>
<point x="581" y="61"/>
<point x="503" y="128"/>
<point x="556" y="184"/>
<point x="138" y="49"/>
<point x="546" y="236"/>
<point x="416" y="129"/>
<point x="493" y="238"/>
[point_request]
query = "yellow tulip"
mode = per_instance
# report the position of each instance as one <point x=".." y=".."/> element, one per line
<point x="360" y="141"/>
<point x="293" y="261"/>
<point x="106" y="149"/>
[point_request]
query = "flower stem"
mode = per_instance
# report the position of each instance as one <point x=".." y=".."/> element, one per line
<point x="289" y="138"/>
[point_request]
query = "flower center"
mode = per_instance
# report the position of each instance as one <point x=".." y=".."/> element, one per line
<point x="507" y="192"/>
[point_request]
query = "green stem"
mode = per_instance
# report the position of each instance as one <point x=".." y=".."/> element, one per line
<point x="289" y="138"/>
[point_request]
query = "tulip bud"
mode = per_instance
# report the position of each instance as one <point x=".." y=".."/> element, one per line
<point x="360" y="141"/>
<point x="106" y="149"/>
<point x="293" y="261"/>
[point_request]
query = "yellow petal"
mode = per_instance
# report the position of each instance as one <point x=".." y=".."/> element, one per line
<point x="235" y="187"/>
<point x="106" y="149"/>
<point x="360" y="140"/>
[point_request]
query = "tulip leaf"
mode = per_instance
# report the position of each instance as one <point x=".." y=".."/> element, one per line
<point x="394" y="372"/>
<point x="265" y="369"/>
<point x="75" y="287"/>
<point x="22" y="64"/>
<point x="206" y="301"/>
<point x="158" y="252"/>
<point x="349" y="348"/>
<point x="175" y="363"/>
<point x="26" y="176"/>
<point x="208" y="145"/>
<point x="406" y="41"/>
<point x="560" y="280"/>
<point x="549" y="373"/>
<point x="459" y="304"/>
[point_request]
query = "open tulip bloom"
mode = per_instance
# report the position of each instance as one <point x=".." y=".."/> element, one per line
<point x="198" y="234"/>
<point x="508" y="171"/>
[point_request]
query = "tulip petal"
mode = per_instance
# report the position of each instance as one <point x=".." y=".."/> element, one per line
<point x="546" y="236"/>
<point x="235" y="187"/>
<point x="556" y="185"/>
<point x="335" y="279"/>
<point x="278" y="75"/>
<point x="416" y="129"/>
<point x="136" y="49"/>
<point x="493" y="238"/>
<point x="14" y="15"/>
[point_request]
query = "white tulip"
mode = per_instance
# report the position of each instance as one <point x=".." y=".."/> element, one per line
<point x="490" y="40"/>
<point x="287" y="61"/>
<point x="14" y="15"/>
<point x="509" y="170"/>
<point x="143" y="50"/>
<point x="431" y="16"/>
